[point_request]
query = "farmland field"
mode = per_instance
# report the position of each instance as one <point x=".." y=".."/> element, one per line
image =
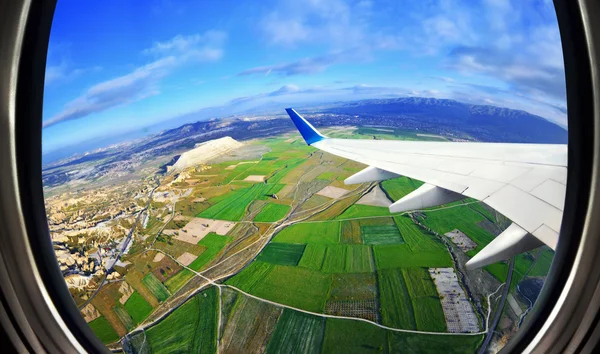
<point x="358" y="259"/>
<point x="103" y="330"/>
<point x="362" y="211"/>
<point x="427" y="308"/>
<point x="297" y="332"/>
<point x="214" y="244"/>
<point x="335" y="259"/>
<point x="156" y="287"/>
<point x="322" y="233"/>
<point x="381" y="235"/>
<point x="399" y="187"/>
<point x="346" y="336"/>
<point x="282" y="253"/>
<point x="401" y="256"/>
<point x="362" y="286"/>
<point x="192" y="328"/>
<point x="313" y="256"/>
<point x="293" y="286"/>
<point x="272" y="212"/>
<point x="124" y="317"/>
<point x="175" y="282"/>
<point x="137" y="307"/>
<point x="396" y="304"/>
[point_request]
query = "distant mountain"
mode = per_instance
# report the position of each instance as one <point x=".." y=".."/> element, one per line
<point x="485" y="123"/>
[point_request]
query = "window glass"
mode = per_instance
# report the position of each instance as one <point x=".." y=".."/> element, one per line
<point x="188" y="214"/>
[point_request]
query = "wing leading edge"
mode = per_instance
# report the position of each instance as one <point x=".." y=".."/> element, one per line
<point x="524" y="182"/>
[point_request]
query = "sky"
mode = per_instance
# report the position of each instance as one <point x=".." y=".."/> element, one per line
<point x="114" y="66"/>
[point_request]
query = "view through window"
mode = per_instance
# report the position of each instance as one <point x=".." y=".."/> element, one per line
<point x="189" y="214"/>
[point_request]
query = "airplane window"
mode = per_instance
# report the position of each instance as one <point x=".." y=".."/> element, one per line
<point x="305" y="176"/>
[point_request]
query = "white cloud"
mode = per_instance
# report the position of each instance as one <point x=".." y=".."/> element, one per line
<point x="145" y="80"/>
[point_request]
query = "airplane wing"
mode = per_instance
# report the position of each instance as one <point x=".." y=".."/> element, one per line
<point x="524" y="182"/>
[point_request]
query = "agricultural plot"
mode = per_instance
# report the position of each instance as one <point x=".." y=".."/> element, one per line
<point x="462" y="218"/>
<point x="178" y="280"/>
<point x="380" y="235"/>
<point x="458" y="311"/>
<point x="234" y="206"/>
<point x="428" y="344"/>
<point x="124" y="317"/>
<point x="366" y="309"/>
<point x="542" y="263"/>
<point x="335" y="259"/>
<point x="399" y="187"/>
<point x="349" y="336"/>
<point x="137" y="307"/>
<point x="249" y="326"/>
<point x="250" y="276"/>
<point x="272" y="212"/>
<point x="297" y="332"/>
<point x="350" y="233"/>
<point x="313" y="256"/>
<point x="461" y="240"/>
<point x="293" y="286"/>
<point x="363" y="211"/>
<point x="319" y="233"/>
<point x="358" y="259"/>
<point x="396" y="304"/>
<point x="401" y="256"/>
<point x="282" y="253"/>
<point x="192" y="328"/>
<point x="166" y="267"/>
<point x="213" y="244"/>
<point x="102" y="328"/>
<point x="429" y="315"/>
<point x="156" y="287"/>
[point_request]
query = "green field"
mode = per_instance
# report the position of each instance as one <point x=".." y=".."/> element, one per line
<point x="401" y="256"/>
<point x="460" y="217"/>
<point x="282" y="253"/>
<point x="102" y="328"/>
<point x="399" y="187"/>
<point x="428" y="344"/>
<point x="137" y="307"/>
<point x="157" y="288"/>
<point x="289" y="285"/>
<point x="361" y="286"/>
<point x="233" y="207"/>
<point x="178" y="280"/>
<point x="272" y="212"/>
<point x="358" y="259"/>
<point x="396" y="304"/>
<point x="192" y="328"/>
<point x="348" y="337"/>
<point x="543" y="263"/>
<point x="362" y="211"/>
<point x="124" y="317"/>
<point x="251" y="275"/>
<point x="429" y="315"/>
<point x="381" y="235"/>
<point x="297" y="332"/>
<point x="214" y="244"/>
<point x="335" y="259"/>
<point x="313" y="256"/>
<point x="321" y="232"/>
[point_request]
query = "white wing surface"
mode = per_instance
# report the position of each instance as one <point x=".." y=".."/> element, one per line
<point x="524" y="182"/>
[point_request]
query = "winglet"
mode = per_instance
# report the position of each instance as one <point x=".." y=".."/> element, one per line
<point x="309" y="133"/>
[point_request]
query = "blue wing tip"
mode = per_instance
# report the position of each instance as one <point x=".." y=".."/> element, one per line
<point x="308" y="132"/>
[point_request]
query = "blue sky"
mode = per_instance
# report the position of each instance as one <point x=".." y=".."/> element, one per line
<point x="114" y="66"/>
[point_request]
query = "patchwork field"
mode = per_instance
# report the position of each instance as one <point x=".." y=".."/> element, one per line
<point x="157" y="288"/>
<point x="137" y="307"/>
<point x="103" y="330"/>
<point x="282" y="253"/>
<point x="272" y="212"/>
<point x="297" y="332"/>
<point x="192" y="328"/>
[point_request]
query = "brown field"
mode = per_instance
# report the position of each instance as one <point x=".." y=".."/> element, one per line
<point x="186" y="258"/>
<point x="197" y="228"/>
<point x="89" y="313"/>
<point x="176" y="248"/>
<point x="333" y="192"/>
<point x="255" y="178"/>
<point x="104" y="302"/>
<point x="166" y="268"/>
<point x="159" y="256"/>
<point x="126" y="290"/>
